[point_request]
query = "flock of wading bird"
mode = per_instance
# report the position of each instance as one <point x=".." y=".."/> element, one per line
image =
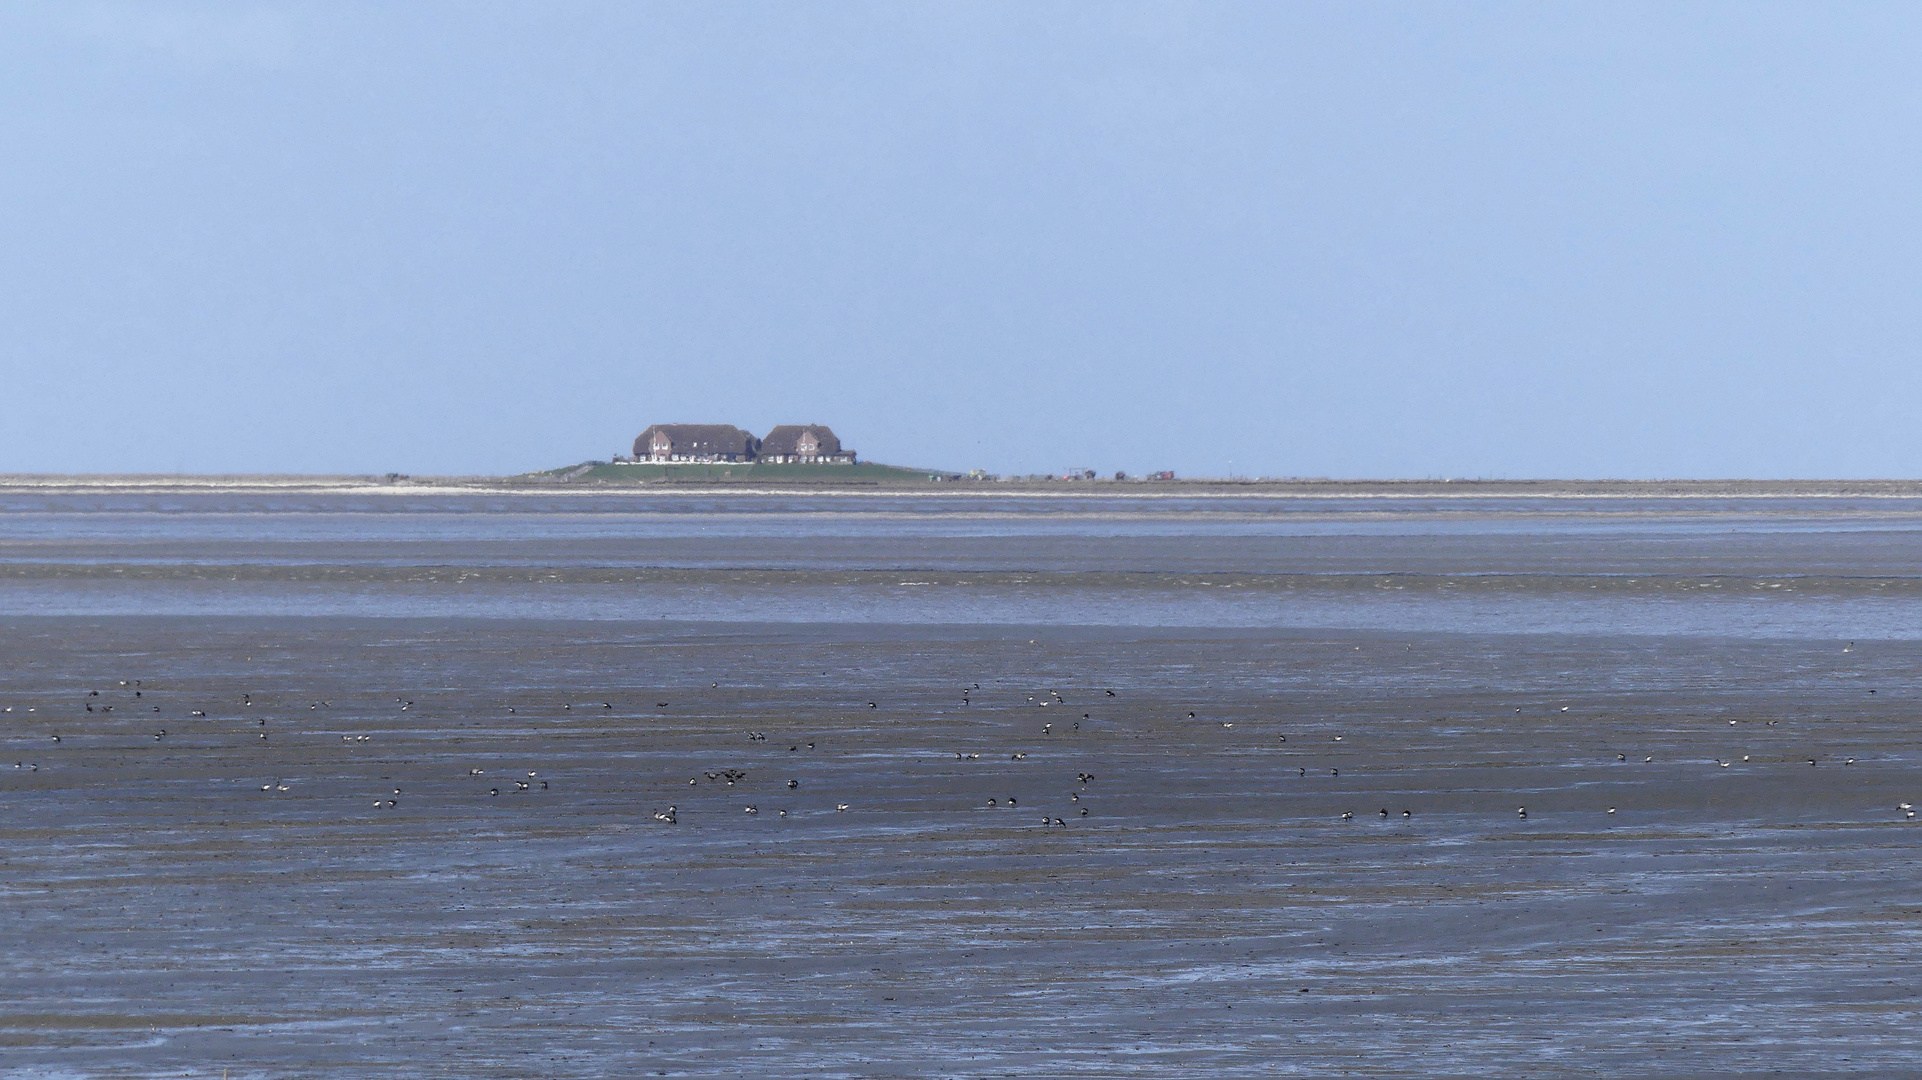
<point x="730" y="777"/>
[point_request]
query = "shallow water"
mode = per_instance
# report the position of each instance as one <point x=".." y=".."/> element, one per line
<point x="1274" y="664"/>
<point x="1823" y="568"/>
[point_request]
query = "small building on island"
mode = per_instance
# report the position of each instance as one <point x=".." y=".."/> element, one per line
<point x="809" y="443"/>
<point x="695" y="442"/>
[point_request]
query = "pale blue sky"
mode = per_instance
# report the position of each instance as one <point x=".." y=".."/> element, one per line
<point x="1339" y="239"/>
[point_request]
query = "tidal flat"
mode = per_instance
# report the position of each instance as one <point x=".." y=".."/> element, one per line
<point x="321" y="786"/>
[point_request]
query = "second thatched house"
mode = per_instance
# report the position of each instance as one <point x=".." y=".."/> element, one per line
<point x="813" y="443"/>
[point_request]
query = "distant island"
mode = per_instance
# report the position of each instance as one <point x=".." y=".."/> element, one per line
<point x="750" y="476"/>
<point x="695" y="457"/>
<point x="795" y="453"/>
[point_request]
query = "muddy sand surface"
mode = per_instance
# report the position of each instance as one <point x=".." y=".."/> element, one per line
<point x="309" y="784"/>
<point x="320" y="846"/>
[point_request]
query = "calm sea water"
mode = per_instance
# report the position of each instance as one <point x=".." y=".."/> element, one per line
<point x="1821" y="568"/>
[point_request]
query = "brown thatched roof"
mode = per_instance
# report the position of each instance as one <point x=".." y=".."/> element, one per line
<point x="699" y="440"/>
<point x="781" y="441"/>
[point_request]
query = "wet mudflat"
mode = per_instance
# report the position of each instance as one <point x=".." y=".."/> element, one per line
<point x="444" y="857"/>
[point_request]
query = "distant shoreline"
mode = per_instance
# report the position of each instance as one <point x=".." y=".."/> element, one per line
<point x="240" y="484"/>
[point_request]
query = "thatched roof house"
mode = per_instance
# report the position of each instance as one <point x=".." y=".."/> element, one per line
<point x="695" y="442"/>
<point x="803" y="442"/>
